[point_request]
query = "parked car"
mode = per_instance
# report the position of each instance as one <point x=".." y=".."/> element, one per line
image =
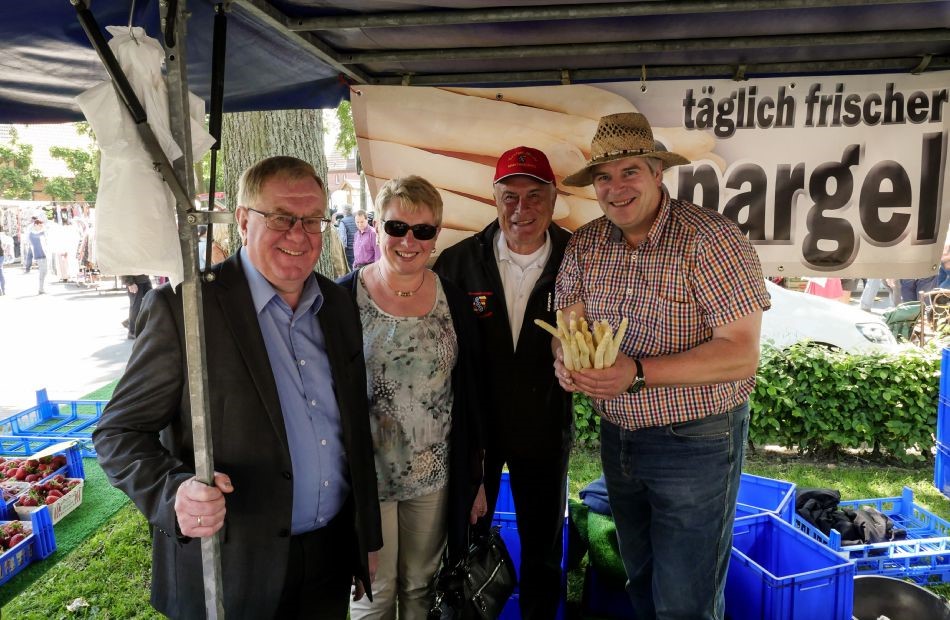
<point x="798" y="316"/>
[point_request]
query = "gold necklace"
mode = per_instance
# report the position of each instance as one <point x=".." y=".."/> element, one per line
<point x="400" y="293"/>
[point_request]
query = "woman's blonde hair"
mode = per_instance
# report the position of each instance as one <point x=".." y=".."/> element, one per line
<point x="414" y="193"/>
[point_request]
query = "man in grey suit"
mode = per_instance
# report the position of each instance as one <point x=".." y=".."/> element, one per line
<point x="294" y="494"/>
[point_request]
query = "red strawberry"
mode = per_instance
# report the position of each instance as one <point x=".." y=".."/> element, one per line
<point x="21" y="474"/>
<point x="28" y="500"/>
<point x="51" y="500"/>
<point x="16" y="539"/>
<point x="32" y="463"/>
<point x="55" y="494"/>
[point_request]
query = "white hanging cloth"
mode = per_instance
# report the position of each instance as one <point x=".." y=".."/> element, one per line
<point x="136" y="224"/>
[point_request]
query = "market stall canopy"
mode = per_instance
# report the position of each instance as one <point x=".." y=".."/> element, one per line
<point x="287" y="54"/>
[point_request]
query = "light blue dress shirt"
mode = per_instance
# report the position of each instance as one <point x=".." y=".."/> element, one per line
<point x="297" y="351"/>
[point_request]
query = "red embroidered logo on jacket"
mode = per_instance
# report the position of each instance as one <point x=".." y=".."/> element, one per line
<point x="480" y="303"/>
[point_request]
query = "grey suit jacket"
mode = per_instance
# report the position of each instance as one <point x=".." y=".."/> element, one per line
<point x="144" y="443"/>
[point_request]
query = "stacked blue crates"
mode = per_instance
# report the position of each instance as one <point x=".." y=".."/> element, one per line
<point x="506" y="520"/>
<point x="758" y="495"/>
<point x="39" y="545"/>
<point x="50" y="422"/>
<point x="923" y="557"/>
<point x="942" y="465"/>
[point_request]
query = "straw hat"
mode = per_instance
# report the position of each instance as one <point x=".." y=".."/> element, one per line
<point x="619" y="136"/>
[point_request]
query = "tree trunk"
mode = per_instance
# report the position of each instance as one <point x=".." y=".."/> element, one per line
<point x="248" y="137"/>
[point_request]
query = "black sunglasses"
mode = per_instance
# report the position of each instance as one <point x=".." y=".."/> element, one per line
<point x="422" y="232"/>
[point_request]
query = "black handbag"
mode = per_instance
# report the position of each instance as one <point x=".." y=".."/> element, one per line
<point x="478" y="586"/>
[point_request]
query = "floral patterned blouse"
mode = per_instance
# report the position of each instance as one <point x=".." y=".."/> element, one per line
<point x="409" y="362"/>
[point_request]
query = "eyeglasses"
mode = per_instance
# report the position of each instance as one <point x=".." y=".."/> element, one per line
<point x="422" y="232"/>
<point x="283" y="222"/>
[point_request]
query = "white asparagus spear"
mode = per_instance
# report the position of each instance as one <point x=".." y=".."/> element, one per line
<point x="576" y="130"/>
<point x="617" y="341"/>
<point x="578" y="99"/>
<point x="386" y="160"/>
<point x="446" y="131"/>
<point x="583" y="351"/>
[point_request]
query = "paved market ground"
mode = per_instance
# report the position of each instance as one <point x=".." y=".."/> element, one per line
<point x="69" y="340"/>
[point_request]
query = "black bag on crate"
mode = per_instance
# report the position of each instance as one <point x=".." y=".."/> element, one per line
<point x="479" y="585"/>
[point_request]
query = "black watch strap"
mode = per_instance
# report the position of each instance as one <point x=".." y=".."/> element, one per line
<point x="638" y="381"/>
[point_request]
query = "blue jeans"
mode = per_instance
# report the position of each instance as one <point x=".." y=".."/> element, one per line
<point x="673" y="494"/>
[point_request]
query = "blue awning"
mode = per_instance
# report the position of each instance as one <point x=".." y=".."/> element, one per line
<point x="46" y="60"/>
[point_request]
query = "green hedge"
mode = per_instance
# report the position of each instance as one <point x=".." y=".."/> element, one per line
<point x="823" y="401"/>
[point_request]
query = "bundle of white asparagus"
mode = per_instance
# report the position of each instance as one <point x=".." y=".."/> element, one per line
<point x="582" y="347"/>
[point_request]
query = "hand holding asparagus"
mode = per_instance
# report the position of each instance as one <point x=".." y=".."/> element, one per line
<point x="582" y="347"/>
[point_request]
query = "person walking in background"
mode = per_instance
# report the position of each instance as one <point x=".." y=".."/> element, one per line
<point x="420" y="345"/>
<point x="348" y="226"/>
<point x="294" y="495"/>
<point x="674" y="406"/>
<point x="508" y="271"/>
<point x="911" y="288"/>
<point x="365" y="247"/>
<point x="829" y="288"/>
<point x="137" y="287"/>
<point x="38" y="247"/>
<point x="871" y="288"/>
<point x="6" y="250"/>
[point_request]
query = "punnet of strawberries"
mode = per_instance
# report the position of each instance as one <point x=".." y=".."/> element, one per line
<point x="49" y="492"/>
<point x="30" y="469"/>
<point x="12" y="534"/>
<point x="11" y="488"/>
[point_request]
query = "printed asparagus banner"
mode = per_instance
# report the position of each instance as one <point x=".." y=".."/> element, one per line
<point x="827" y="176"/>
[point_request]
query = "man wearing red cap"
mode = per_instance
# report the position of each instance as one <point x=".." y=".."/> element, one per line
<point x="508" y="270"/>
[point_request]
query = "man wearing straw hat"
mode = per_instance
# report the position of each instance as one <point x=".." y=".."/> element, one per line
<point x="674" y="406"/>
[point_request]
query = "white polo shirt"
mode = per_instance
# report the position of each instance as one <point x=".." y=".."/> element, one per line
<point x="519" y="273"/>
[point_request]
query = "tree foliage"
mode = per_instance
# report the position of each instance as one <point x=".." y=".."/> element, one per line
<point x="346" y="139"/>
<point x="17" y="175"/>
<point x="84" y="164"/>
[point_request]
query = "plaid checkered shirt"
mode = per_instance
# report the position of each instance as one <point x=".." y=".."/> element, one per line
<point x="694" y="271"/>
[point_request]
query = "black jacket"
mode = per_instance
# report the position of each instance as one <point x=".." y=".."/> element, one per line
<point x="145" y="445"/>
<point x="465" y="446"/>
<point x="529" y="415"/>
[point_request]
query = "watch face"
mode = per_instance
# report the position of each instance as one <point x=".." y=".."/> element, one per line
<point x="636" y="385"/>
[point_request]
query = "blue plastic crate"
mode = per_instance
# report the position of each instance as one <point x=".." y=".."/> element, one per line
<point x="923" y="557"/>
<point x="505" y="518"/>
<point x="758" y="495"/>
<point x="72" y="469"/>
<point x="57" y="419"/>
<point x="942" y="469"/>
<point x="943" y="419"/>
<point x="777" y="573"/>
<point x="600" y="599"/>
<point x="39" y="545"/>
<point x="945" y="373"/>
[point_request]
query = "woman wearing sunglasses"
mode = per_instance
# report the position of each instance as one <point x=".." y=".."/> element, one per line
<point x="419" y="341"/>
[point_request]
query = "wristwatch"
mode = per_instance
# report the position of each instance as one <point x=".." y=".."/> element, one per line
<point x="638" y="381"/>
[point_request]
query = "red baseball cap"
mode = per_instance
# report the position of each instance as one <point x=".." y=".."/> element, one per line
<point x="524" y="160"/>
